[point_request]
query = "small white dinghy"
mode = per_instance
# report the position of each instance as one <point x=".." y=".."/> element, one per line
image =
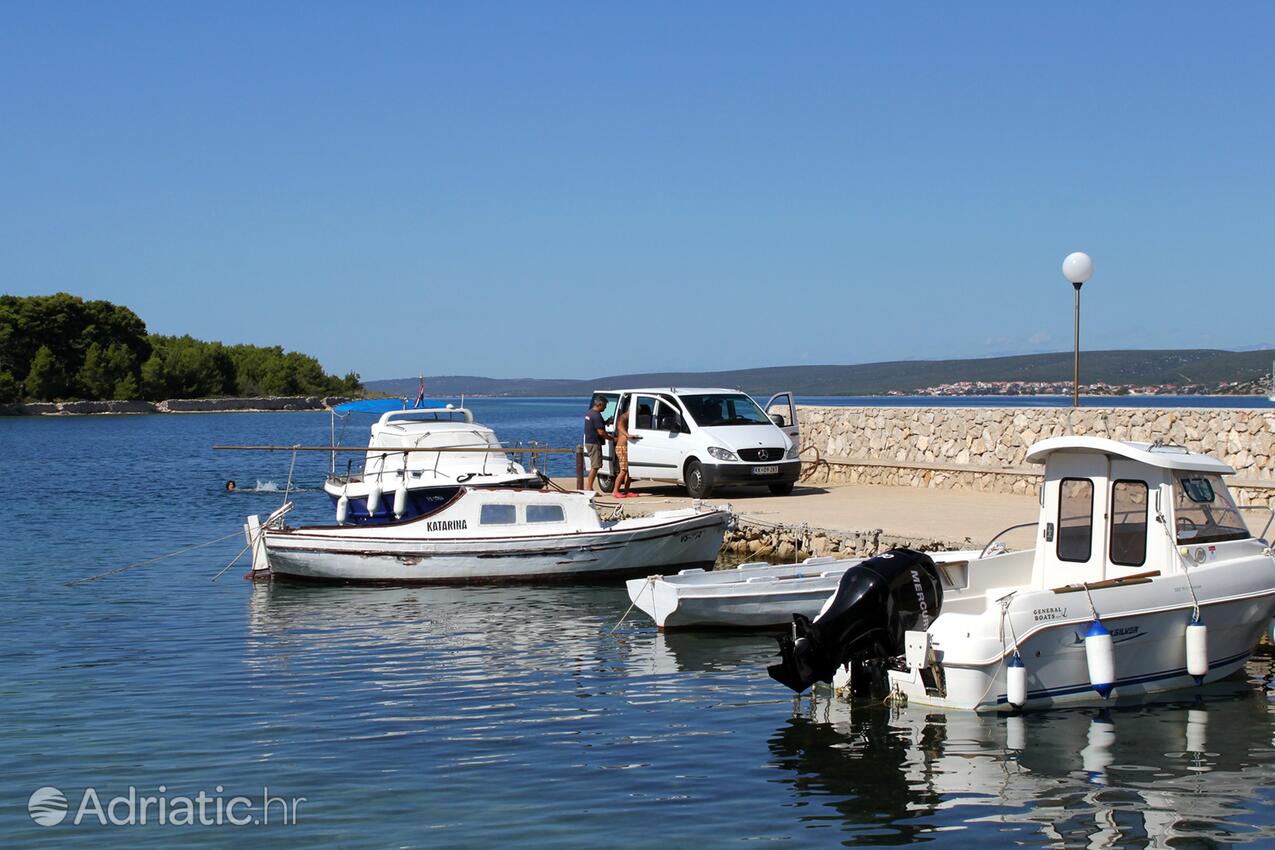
<point x="483" y="535"/>
<point x="758" y="595"/>
<point x="1144" y="579"/>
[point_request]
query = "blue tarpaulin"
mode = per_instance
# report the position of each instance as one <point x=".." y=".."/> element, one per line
<point x="371" y="405"/>
<point x="381" y="405"/>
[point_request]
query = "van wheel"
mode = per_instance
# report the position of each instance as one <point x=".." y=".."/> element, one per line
<point x="605" y="482"/>
<point x="781" y="489"/>
<point x="697" y="486"/>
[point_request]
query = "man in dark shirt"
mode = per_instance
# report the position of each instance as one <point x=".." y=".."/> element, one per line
<point x="595" y="435"/>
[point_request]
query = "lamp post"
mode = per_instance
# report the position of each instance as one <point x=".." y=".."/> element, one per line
<point x="1077" y="268"/>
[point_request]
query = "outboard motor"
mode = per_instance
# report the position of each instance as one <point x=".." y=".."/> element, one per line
<point x="864" y="623"/>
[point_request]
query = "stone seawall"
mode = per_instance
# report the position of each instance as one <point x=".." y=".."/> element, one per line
<point x="172" y="405"/>
<point x="785" y="544"/>
<point x="983" y="448"/>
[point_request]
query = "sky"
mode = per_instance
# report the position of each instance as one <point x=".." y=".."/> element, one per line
<point x="585" y="189"/>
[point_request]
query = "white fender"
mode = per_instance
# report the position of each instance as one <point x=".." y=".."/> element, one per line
<point x="373" y="497"/>
<point x="400" y="499"/>
<point x="1197" y="650"/>
<point x="1016" y="681"/>
<point x="342" y="509"/>
<point x="1101" y="656"/>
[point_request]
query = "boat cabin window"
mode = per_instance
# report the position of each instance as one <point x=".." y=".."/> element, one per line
<point x="1075" y="519"/>
<point x="1203" y="510"/>
<point x="545" y="513"/>
<point x="498" y="515"/>
<point x="1129" y="523"/>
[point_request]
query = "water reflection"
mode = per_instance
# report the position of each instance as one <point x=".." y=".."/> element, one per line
<point x="1167" y="773"/>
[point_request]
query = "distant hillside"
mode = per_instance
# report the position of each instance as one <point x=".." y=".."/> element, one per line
<point x="1198" y="366"/>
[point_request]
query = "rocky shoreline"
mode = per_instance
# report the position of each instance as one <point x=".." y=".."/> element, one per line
<point x="173" y="405"/>
<point x="752" y="541"/>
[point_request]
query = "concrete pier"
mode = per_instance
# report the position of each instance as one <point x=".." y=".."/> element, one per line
<point x="850" y="520"/>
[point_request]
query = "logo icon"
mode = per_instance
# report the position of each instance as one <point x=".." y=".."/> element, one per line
<point x="47" y="806"/>
<point x="763" y="455"/>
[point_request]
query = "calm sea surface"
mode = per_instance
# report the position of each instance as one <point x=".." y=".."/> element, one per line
<point x="483" y="717"/>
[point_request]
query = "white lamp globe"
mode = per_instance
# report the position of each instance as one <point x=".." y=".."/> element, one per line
<point x="1078" y="267"/>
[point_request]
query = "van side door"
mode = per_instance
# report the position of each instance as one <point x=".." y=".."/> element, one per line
<point x="782" y="410"/>
<point x="650" y="456"/>
<point x="613" y="400"/>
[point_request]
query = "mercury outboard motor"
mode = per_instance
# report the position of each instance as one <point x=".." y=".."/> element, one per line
<point x="876" y="602"/>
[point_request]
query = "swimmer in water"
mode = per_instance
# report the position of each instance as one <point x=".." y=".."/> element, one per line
<point x="230" y="486"/>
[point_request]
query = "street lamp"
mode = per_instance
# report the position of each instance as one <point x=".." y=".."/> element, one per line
<point x="1077" y="268"/>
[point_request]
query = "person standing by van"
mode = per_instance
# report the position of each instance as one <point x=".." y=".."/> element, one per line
<point x="622" y="438"/>
<point x="595" y="436"/>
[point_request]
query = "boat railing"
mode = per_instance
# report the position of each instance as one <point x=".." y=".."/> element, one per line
<point x="1270" y="511"/>
<point x="998" y="535"/>
<point x="538" y="451"/>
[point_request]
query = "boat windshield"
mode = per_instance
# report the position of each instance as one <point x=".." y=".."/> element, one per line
<point x="716" y="409"/>
<point x="1204" y="512"/>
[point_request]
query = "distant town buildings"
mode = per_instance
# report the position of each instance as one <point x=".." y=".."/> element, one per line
<point x="1257" y="386"/>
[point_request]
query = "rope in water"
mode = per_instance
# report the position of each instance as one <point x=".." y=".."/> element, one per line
<point x="650" y="582"/>
<point x="118" y="570"/>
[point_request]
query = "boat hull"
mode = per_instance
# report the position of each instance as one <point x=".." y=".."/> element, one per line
<point x="765" y="607"/>
<point x="690" y="540"/>
<point x="751" y="596"/>
<point x="1150" y="658"/>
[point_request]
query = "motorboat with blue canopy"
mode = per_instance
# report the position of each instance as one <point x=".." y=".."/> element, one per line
<point x="417" y="458"/>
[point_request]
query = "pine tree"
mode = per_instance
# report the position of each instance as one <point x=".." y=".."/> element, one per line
<point x="126" y="388"/>
<point x="94" y="378"/>
<point x="46" y="381"/>
<point x="10" y="389"/>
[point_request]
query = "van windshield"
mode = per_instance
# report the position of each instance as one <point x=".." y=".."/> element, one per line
<point x="709" y="411"/>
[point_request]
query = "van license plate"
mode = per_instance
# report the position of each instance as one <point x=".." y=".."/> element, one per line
<point x="765" y="470"/>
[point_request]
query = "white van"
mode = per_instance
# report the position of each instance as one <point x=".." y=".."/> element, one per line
<point x="704" y="439"/>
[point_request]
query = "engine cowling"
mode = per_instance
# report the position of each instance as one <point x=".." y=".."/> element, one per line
<point x="865" y="621"/>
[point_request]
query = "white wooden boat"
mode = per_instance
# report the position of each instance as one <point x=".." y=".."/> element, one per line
<point x="751" y="596"/>
<point x="491" y="536"/>
<point x="1144" y="579"/>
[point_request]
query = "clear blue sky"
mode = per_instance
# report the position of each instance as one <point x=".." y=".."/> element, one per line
<point x="573" y="190"/>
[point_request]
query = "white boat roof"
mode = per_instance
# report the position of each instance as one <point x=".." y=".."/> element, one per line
<point x="1153" y="454"/>
<point x="674" y="390"/>
<point x="433" y="416"/>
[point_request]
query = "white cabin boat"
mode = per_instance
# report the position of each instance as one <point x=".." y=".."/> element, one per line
<point x="428" y="478"/>
<point x="751" y="596"/>
<point x="1144" y="578"/>
<point x="491" y="536"/>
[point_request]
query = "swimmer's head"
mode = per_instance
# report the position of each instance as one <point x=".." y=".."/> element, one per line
<point x="230" y="486"/>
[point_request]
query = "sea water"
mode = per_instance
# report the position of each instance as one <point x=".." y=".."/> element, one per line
<point x="488" y="716"/>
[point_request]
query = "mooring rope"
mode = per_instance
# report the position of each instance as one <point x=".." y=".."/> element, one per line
<point x="650" y="582"/>
<point x="118" y="570"/>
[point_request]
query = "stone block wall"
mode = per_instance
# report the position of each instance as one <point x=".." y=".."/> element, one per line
<point x="983" y="448"/>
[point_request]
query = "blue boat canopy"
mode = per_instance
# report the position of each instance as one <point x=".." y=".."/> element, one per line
<point x="371" y="405"/>
<point x="382" y="405"/>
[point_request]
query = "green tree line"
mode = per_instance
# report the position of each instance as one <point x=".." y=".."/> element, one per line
<point x="59" y="347"/>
